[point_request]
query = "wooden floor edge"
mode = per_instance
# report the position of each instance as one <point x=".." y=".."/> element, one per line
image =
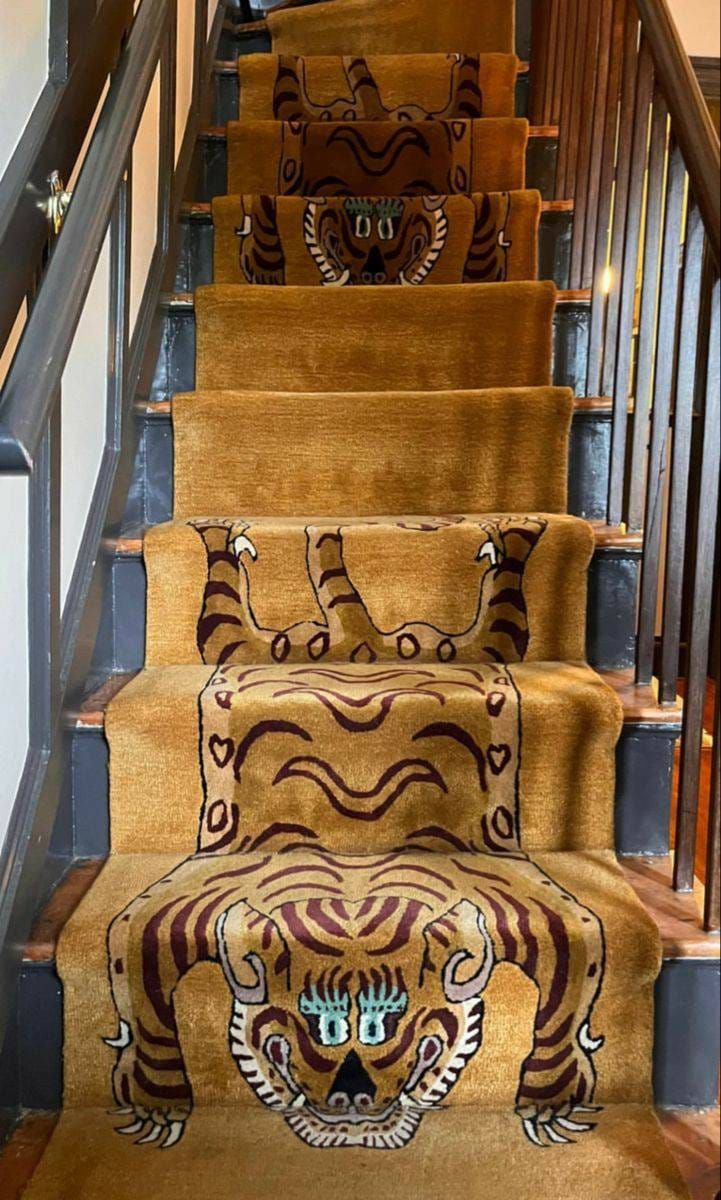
<point x="692" y="1138"/>
<point x="678" y="916"/>
<point x="21" y="1154"/>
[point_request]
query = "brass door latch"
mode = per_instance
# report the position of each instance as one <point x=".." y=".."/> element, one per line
<point x="58" y="202"/>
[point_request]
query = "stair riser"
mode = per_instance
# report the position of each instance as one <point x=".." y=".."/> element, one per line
<point x="195" y="261"/>
<point x="232" y="45"/>
<point x="540" y="166"/>
<point x="175" y="371"/>
<point x="227" y="91"/>
<point x="685" y="1053"/>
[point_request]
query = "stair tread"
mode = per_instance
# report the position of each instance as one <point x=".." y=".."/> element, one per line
<point x="129" y="544"/>
<point x="213" y="1155"/>
<point x="638" y="701"/>
<point x="678" y="916"/>
<point x="398" y="755"/>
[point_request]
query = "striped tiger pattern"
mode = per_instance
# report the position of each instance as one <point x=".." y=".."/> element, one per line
<point x="356" y="987"/>
<point x="228" y="631"/>
<point x="360" y="759"/>
<point x="292" y="100"/>
<point x="487" y="260"/>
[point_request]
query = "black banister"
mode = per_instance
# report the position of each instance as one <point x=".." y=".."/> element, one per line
<point x="31" y="388"/>
<point x="690" y="116"/>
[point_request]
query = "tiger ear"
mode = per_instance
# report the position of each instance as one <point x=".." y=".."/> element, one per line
<point x="240" y="933"/>
<point x="434" y="204"/>
<point x="469" y="958"/>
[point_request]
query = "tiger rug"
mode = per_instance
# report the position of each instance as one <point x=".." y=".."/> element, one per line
<point x="362" y="241"/>
<point x="357" y="982"/>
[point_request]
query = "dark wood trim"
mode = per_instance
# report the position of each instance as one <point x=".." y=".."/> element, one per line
<point x="691" y="119"/>
<point x="708" y="73"/>
<point x="27" y="870"/>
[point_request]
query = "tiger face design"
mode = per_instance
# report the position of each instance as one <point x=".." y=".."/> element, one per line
<point x="366" y="241"/>
<point x="375" y="241"/>
<point x="357" y="990"/>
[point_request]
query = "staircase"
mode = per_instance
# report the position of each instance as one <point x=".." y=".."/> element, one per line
<point x="361" y="743"/>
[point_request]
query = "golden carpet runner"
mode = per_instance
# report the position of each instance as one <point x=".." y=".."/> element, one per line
<point x="362" y="929"/>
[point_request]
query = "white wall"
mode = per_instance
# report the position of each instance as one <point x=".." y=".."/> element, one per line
<point x="699" y="23"/>
<point x="23" y="67"/>
<point x="23" y="70"/>
<point x="14" y="624"/>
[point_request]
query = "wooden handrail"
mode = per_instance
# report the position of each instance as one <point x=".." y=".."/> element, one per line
<point x="691" y="119"/>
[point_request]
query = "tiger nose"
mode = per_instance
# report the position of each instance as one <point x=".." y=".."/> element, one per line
<point x="352" y="1085"/>
<point x="374" y="270"/>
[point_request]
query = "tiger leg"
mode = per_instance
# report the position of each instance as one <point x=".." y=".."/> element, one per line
<point x="558" y="1080"/>
<point x="351" y="633"/>
<point x="152" y="944"/>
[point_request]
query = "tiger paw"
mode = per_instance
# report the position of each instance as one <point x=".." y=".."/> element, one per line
<point x="557" y="1126"/>
<point x="162" y="1127"/>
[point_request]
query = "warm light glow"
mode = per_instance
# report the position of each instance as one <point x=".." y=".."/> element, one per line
<point x="607" y="281"/>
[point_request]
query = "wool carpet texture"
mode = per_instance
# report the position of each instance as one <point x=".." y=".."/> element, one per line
<point x="363" y="158"/>
<point x="362" y="924"/>
<point x="391" y="87"/>
<point x="403" y="27"/>
<point x="365" y="240"/>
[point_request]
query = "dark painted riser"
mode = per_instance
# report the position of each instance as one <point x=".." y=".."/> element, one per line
<point x="195" y="261"/>
<point x="213" y="181"/>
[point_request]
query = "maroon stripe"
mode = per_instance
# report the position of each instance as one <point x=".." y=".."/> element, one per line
<point x="552" y="1089"/>
<point x="159" y="1091"/>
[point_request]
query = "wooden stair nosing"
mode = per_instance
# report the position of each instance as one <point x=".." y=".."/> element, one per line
<point x="229" y="66"/>
<point x="202" y="210"/>
<point x="678" y="916"/>
<point x="639" y="702"/>
<point x="218" y="133"/>
<point x="185" y="301"/>
<point x="608" y="537"/>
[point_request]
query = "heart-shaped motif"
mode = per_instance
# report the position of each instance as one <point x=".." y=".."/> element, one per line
<point x="499" y="758"/>
<point x="222" y="750"/>
<point x="495" y="703"/>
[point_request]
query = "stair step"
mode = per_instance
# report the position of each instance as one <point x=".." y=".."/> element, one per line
<point x="693" y="1138"/>
<point x="541" y="158"/>
<point x="639" y="702"/>
<point x="221" y="1138"/>
<point x="176" y="365"/>
<point x="377" y="709"/>
<point x="678" y="916"/>
<point x="129" y="545"/>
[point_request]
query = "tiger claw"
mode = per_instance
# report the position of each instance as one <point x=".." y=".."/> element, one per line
<point x="123" y="1038"/>
<point x="176" y="1131"/>
<point x="549" y="1128"/>
<point x="156" y="1128"/>
<point x="152" y="1136"/>
<point x="136" y="1127"/>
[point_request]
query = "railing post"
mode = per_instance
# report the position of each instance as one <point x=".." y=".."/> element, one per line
<point x="686" y="382"/>
<point x="700" y="624"/>
<point x="665" y="372"/>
